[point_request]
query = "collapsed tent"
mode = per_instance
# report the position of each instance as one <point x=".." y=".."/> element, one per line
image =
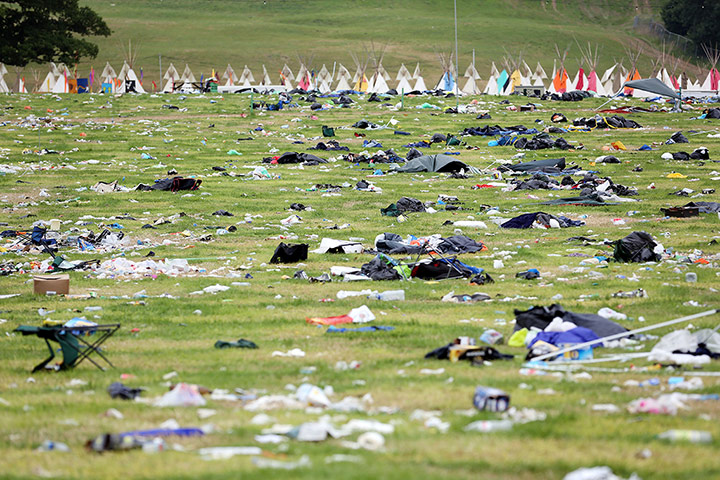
<point x="295" y="157"/>
<point x="443" y="268"/>
<point x="540" y="317"/>
<point x="171" y="184"/>
<point x="392" y="243"/>
<point x="599" y="121"/>
<point x="653" y="85"/>
<point x="541" y="141"/>
<point x="551" y="165"/>
<point x="290" y="253"/>
<point x="538" y="181"/>
<point x="433" y="163"/>
<point x="492" y="130"/>
<point x="405" y="204"/>
<point x="330" y="245"/>
<point x="637" y="247"/>
<point x="705" y="207"/>
<point x="541" y="220"/>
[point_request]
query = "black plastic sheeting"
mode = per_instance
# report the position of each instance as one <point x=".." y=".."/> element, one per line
<point x="636" y="247"/>
<point x="290" y="253"/>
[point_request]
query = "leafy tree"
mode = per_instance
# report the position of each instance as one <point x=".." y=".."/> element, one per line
<point x="47" y="31"/>
<point x="699" y="20"/>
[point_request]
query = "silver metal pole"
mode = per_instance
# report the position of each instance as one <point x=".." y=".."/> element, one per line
<point x="457" y="69"/>
<point x="580" y="346"/>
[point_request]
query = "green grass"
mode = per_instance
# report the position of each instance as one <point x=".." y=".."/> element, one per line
<point x="172" y="338"/>
<point x="210" y="34"/>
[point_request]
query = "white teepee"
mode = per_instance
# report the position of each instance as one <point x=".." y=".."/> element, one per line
<point x="419" y="80"/>
<point x="246" y="77"/>
<point x="229" y="76"/>
<point x="171" y="76"/>
<point x="449" y="75"/>
<point x="378" y="80"/>
<point x="61" y="82"/>
<point x="265" y="82"/>
<point x="3" y="86"/>
<point x="471" y="86"/>
<point x="403" y="79"/>
<point x="128" y="80"/>
<point x="343" y="77"/>
<point x="48" y="83"/>
<point x="492" y="86"/>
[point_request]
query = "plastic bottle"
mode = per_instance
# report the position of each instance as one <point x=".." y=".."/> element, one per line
<point x="391" y="295"/>
<point x="486" y="426"/>
<point x="693" y="436"/>
<point x="49" y="446"/>
<point x="156" y="445"/>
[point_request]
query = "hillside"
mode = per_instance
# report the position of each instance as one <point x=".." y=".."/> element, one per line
<point x="210" y="34"/>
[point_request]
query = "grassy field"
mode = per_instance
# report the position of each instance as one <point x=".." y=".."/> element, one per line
<point x="210" y="34"/>
<point x="100" y="138"/>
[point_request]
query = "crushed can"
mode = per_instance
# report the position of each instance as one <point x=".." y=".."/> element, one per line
<point x="491" y="399"/>
<point x="581" y="354"/>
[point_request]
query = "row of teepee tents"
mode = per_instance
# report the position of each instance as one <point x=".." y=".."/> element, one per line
<point x="372" y="77"/>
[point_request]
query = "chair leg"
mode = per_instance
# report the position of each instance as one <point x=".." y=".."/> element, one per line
<point x="42" y="364"/>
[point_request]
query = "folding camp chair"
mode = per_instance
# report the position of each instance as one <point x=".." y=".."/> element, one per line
<point x="74" y="343"/>
<point x="438" y="256"/>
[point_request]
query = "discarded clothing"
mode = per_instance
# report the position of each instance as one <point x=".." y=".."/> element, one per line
<point x="240" y="343"/>
<point x="457" y="244"/>
<point x="405" y="204"/>
<point x="677" y="137"/>
<point x="379" y="269"/>
<point x="365" y="124"/>
<point x="392" y="244"/>
<point x="329" y="145"/>
<point x="373" y="328"/>
<point x="493" y="130"/>
<point x="118" y="390"/>
<point x="530" y="274"/>
<point x="541" y="142"/>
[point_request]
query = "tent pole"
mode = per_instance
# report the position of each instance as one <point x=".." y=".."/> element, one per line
<point x="457" y="70"/>
<point x="611" y="99"/>
<point x="579" y="346"/>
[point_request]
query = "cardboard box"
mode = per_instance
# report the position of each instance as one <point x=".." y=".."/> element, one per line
<point x="57" y="284"/>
